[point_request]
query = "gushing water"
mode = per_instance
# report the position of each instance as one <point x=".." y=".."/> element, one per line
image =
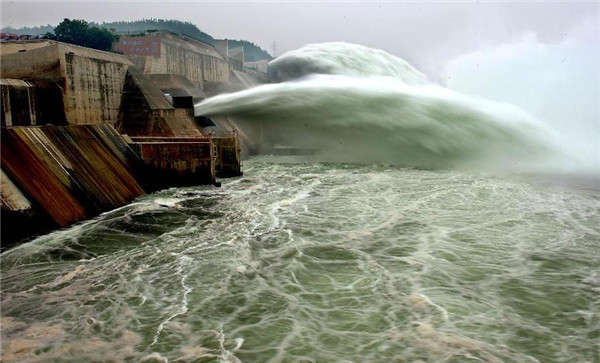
<point x="344" y="59"/>
<point x="316" y="262"/>
<point x="304" y="261"/>
<point x="346" y="102"/>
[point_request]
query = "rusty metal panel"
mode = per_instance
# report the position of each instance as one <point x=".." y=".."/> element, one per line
<point x="229" y="156"/>
<point x="185" y="167"/>
<point x="178" y="163"/>
<point x="11" y="198"/>
<point x="168" y="139"/>
<point x="71" y="171"/>
<point x="118" y="143"/>
<point x="227" y="149"/>
<point x="99" y="173"/>
<point x="32" y="174"/>
<point x="175" y="150"/>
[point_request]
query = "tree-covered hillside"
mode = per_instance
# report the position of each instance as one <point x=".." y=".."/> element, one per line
<point x="252" y="52"/>
<point x="36" y="30"/>
<point x="79" y="32"/>
<point x="175" y="26"/>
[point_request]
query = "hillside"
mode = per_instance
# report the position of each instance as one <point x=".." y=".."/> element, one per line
<point x="36" y="30"/>
<point x="175" y="26"/>
<point x="252" y="52"/>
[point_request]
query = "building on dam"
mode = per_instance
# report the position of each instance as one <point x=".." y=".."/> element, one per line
<point x="85" y="131"/>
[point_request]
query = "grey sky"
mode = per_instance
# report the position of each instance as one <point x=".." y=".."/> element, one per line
<point x="425" y="34"/>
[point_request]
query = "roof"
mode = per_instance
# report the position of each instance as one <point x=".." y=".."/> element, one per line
<point x="192" y="44"/>
<point x="153" y="95"/>
<point x="176" y="85"/>
<point x="11" y="197"/>
<point x="94" y="53"/>
<point x="27" y="45"/>
<point x="15" y="82"/>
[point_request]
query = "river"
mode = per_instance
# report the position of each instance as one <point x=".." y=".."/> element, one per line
<point x="317" y="262"/>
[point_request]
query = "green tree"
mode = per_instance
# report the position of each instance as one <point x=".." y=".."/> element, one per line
<point x="79" y="32"/>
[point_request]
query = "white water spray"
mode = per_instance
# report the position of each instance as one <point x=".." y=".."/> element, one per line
<point x="347" y="102"/>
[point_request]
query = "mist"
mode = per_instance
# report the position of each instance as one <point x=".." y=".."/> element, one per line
<point x="557" y="83"/>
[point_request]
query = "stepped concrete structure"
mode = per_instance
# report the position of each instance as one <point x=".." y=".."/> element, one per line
<point x="145" y="111"/>
<point x="212" y="69"/>
<point x="86" y="131"/>
<point x="169" y="53"/>
<point x="58" y="175"/>
<point x="18" y="102"/>
<point x="90" y="81"/>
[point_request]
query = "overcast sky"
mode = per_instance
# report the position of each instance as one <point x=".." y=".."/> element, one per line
<point x="425" y="34"/>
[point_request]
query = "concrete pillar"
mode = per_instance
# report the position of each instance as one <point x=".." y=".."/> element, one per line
<point x="7" y="117"/>
<point x="222" y="47"/>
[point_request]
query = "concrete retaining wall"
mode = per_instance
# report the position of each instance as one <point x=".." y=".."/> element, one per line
<point x="91" y="81"/>
<point x="31" y="60"/>
<point x="197" y="61"/>
<point x="177" y="161"/>
<point x="93" y="89"/>
<point x="71" y="172"/>
<point x="146" y="112"/>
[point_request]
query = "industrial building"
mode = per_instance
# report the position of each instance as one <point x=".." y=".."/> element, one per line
<point x="85" y="131"/>
<point x="168" y="53"/>
<point x="89" y="82"/>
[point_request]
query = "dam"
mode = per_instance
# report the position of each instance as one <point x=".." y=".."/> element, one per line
<point x="86" y="131"/>
<point x="390" y="242"/>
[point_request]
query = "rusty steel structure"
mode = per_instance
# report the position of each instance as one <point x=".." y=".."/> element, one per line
<point x="229" y="152"/>
<point x="86" y="131"/>
<point x="226" y="154"/>
<point x="177" y="161"/>
<point x="70" y="172"/>
<point x="18" y="102"/>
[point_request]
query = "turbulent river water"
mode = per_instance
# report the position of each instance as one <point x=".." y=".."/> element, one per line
<point x="317" y="262"/>
<point x="388" y="244"/>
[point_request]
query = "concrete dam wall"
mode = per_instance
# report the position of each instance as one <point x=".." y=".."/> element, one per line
<point x="67" y="173"/>
<point x="53" y="176"/>
<point x="168" y="53"/>
<point x="91" y="81"/>
<point x="86" y="131"/>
